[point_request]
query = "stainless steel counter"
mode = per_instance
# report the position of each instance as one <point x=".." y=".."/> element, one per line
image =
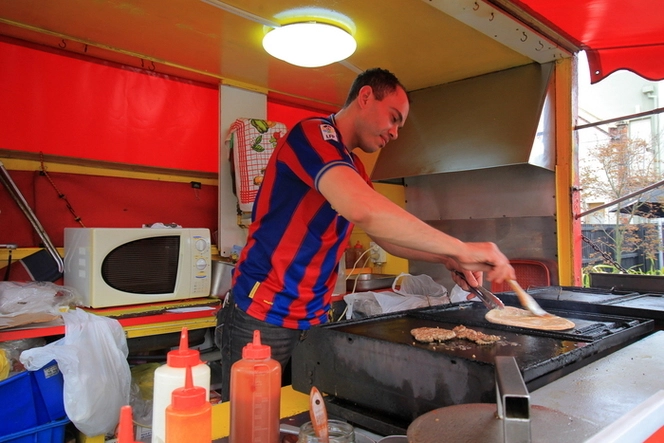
<point x="604" y="391"/>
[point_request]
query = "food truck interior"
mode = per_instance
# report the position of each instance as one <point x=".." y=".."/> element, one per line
<point x="116" y="114"/>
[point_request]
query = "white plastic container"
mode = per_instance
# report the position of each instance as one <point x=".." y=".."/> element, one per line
<point x="171" y="376"/>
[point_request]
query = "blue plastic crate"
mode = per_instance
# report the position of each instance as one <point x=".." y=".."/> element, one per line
<point x="53" y="432"/>
<point x="47" y="390"/>
<point x="17" y="405"/>
<point x="30" y="399"/>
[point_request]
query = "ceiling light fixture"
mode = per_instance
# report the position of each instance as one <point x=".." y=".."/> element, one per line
<point x="309" y="44"/>
<point x="312" y="37"/>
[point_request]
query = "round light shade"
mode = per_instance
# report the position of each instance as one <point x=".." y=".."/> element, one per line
<point x="309" y="44"/>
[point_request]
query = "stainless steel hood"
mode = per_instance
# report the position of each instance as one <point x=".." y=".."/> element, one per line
<point x="493" y="120"/>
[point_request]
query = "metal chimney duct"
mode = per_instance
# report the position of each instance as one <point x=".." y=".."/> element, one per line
<point x="493" y="120"/>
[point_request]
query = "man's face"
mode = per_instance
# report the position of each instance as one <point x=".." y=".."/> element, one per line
<point x="381" y="119"/>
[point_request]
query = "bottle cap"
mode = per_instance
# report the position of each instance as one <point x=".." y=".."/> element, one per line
<point x="126" y="426"/>
<point x="188" y="397"/>
<point x="183" y="357"/>
<point x="255" y="350"/>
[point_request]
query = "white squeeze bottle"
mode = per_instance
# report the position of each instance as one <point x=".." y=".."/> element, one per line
<point x="170" y="376"/>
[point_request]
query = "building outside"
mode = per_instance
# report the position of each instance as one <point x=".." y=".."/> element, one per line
<point x="622" y="96"/>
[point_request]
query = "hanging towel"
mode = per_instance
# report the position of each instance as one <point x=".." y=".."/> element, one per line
<point x="251" y="142"/>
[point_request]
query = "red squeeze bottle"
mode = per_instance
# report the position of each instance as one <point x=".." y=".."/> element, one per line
<point x="189" y="416"/>
<point x="350" y="256"/>
<point x="359" y="250"/>
<point x="126" y="426"/>
<point x="255" y="393"/>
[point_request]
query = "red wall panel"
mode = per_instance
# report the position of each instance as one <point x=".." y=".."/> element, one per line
<point x="290" y="115"/>
<point x="102" y="202"/>
<point x="64" y="105"/>
<point x="56" y="103"/>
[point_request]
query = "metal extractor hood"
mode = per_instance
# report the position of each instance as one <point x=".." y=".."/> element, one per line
<point x="498" y="119"/>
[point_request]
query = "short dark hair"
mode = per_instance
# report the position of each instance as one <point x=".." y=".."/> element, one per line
<point x="382" y="82"/>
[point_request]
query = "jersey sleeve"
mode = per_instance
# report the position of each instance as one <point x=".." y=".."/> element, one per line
<point x="312" y="147"/>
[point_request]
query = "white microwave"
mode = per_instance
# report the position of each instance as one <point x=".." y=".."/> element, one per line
<point x="128" y="266"/>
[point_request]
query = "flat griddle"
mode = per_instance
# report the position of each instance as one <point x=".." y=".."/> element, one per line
<point x="377" y="376"/>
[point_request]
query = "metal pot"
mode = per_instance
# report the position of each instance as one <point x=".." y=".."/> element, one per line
<point x="221" y="278"/>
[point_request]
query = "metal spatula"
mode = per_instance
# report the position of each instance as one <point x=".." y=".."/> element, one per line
<point x="526" y="300"/>
<point x="487" y="297"/>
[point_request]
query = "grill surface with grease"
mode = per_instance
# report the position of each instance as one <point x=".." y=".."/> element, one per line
<point x="378" y="376"/>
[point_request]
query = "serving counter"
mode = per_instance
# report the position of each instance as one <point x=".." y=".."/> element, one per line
<point x="604" y="391"/>
<point x="613" y="389"/>
<point x="598" y="394"/>
<point x="137" y="321"/>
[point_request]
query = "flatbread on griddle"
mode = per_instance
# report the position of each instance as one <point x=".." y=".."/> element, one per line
<point x="511" y="316"/>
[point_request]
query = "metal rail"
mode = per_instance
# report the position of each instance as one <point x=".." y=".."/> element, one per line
<point x="13" y="190"/>
<point x="618" y="200"/>
<point x="617" y="119"/>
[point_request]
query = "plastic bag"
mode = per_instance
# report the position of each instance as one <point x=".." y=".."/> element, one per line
<point x="35" y="297"/>
<point x="92" y="357"/>
<point x="142" y="392"/>
<point x="361" y="305"/>
<point x="368" y="304"/>
<point x="143" y="376"/>
<point x="13" y="349"/>
<point x="417" y="285"/>
<point x="459" y="295"/>
<point x="141" y="407"/>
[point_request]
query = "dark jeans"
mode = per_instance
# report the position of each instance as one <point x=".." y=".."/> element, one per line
<point x="235" y="329"/>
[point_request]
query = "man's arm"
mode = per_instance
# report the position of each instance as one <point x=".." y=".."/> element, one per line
<point x="470" y="278"/>
<point x="390" y="225"/>
<point x="410" y="254"/>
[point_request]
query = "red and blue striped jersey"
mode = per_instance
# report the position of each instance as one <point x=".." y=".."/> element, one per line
<point x="287" y="270"/>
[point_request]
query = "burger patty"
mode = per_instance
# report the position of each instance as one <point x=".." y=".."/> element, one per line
<point x="430" y="335"/>
<point x="475" y="336"/>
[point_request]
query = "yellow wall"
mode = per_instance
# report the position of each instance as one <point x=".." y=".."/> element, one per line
<point x="394" y="265"/>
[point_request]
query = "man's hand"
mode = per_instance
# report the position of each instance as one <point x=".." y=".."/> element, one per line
<point x="472" y="278"/>
<point x="484" y="257"/>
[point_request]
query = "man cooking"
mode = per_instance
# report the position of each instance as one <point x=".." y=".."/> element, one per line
<point x="314" y="191"/>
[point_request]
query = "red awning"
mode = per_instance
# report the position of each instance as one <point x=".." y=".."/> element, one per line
<point x="616" y="34"/>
